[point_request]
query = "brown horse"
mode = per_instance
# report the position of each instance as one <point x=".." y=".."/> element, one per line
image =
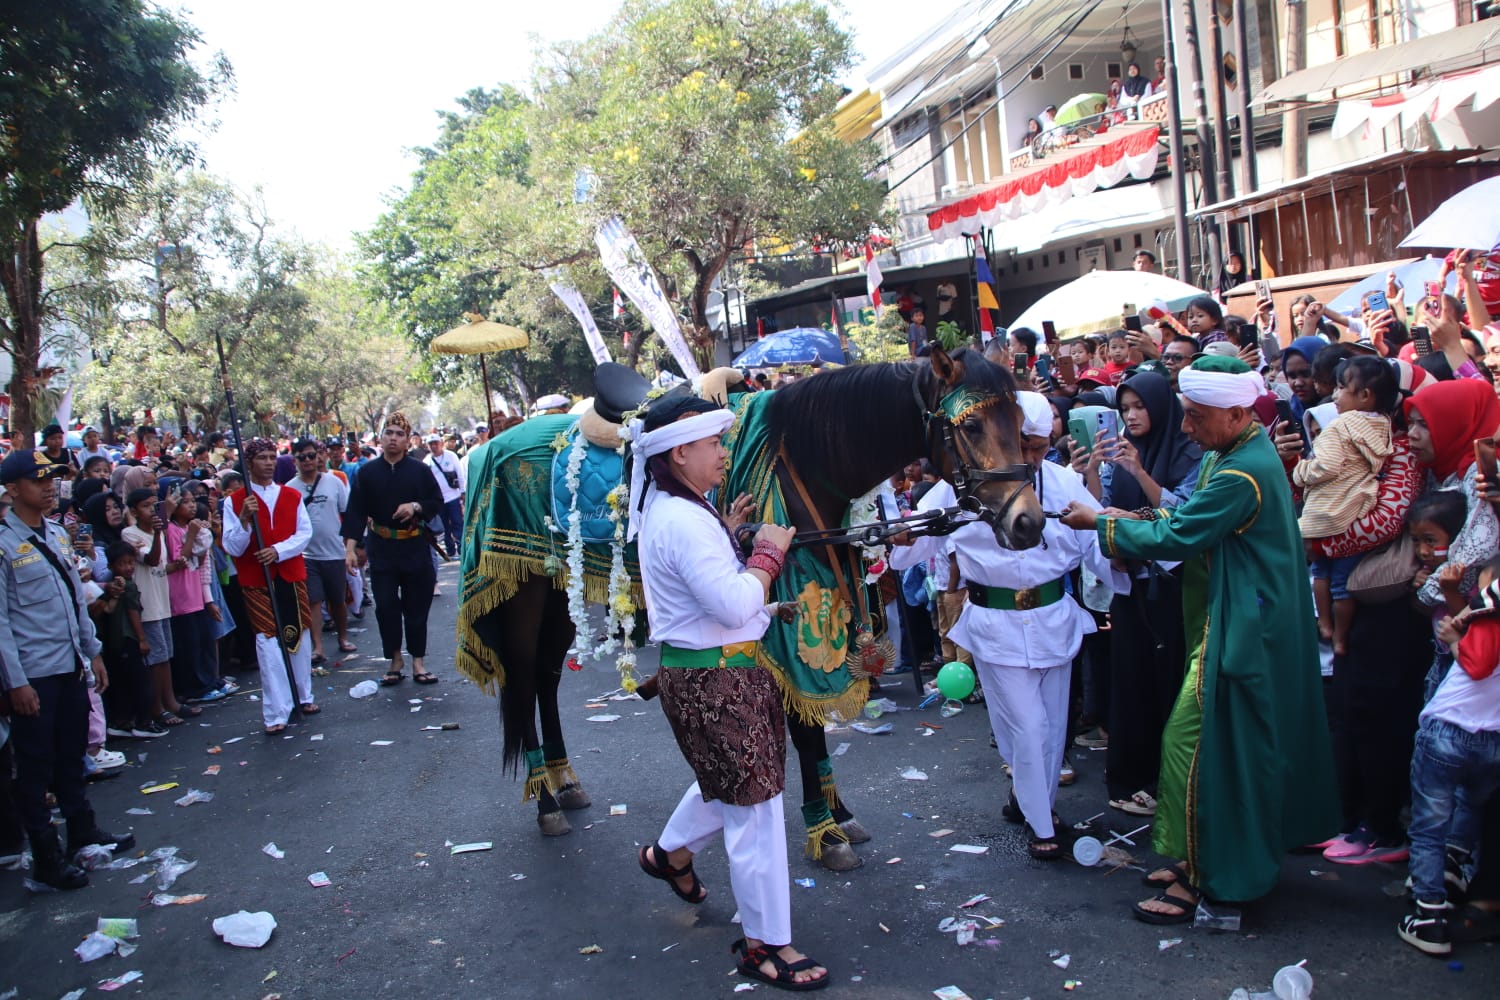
<point x="840" y="433"/>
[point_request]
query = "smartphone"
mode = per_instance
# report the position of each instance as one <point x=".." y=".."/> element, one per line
<point x="1019" y="366"/>
<point x="1044" y="366"/>
<point x="1434" y="289"/>
<point x="1376" y="301"/>
<point x="1081" y="430"/>
<point x="1484" y="457"/>
<point x="1128" y="309"/>
<point x="1133" y="323"/>
<point x="1285" y="416"/>
<point x="1249" y="335"/>
<point x="1109" y="423"/>
<point x="1421" y="340"/>
<point x="1065" y="369"/>
<point x="85" y="536"/>
<point x="1263" y="291"/>
<point x="1049" y="331"/>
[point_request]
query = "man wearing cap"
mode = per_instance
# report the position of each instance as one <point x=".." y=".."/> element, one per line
<point x="448" y="473"/>
<point x="1024" y="630"/>
<point x="53" y="441"/>
<point x="273" y="572"/>
<point x="395" y="495"/>
<point x="708" y="610"/>
<point x="47" y="647"/>
<point x="1247" y="771"/>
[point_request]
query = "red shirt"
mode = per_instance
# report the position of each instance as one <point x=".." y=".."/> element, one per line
<point x="1115" y="372"/>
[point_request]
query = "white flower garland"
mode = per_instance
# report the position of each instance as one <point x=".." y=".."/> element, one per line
<point x="577" y="607"/>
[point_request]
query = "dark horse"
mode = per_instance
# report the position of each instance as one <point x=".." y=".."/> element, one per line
<point x="840" y="433"/>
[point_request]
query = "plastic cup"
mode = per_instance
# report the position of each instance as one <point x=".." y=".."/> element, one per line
<point x="1292" y="982"/>
<point x="1087" y="851"/>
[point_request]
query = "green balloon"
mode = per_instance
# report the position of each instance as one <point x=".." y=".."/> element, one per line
<point x="955" y="680"/>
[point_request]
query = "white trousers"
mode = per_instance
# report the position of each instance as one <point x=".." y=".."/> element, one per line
<point x="755" y="841"/>
<point x="893" y="628"/>
<point x="1028" y="709"/>
<point x="356" y="591"/>
<point x="275" y="696"/>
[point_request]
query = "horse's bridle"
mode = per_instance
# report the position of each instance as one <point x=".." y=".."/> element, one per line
<point x="943" y="421"/>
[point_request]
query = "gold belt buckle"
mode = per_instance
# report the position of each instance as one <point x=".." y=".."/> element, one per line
<point x="735" y="649"/>
<point x="1027" y="598"/>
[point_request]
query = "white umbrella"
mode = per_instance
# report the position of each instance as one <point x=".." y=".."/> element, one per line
<point x="1093" y="303"/>
<point x="1470" y="220"/>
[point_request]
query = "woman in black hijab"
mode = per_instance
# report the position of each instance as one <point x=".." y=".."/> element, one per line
<point x="1154" y="466"/>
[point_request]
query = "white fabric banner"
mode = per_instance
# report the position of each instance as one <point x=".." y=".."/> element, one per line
<point x="627" y="264"/>
<point x="574" y="301"/>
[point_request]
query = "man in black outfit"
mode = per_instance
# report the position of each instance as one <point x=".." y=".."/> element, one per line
<point x="396" y="495"/>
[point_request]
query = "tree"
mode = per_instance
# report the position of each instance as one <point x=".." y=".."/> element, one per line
<point x="89" y="91"/>
<point x="706" y="126"/>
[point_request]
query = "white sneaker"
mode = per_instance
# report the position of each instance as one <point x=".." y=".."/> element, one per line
<point x="108" y="759"/>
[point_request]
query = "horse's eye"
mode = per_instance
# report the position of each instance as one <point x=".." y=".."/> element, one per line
<point x="970" y="426"/>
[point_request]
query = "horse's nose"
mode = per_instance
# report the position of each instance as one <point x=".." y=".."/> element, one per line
<point x="1026" y="529"/>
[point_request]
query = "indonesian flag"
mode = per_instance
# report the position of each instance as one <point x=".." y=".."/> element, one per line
<point x="872" y="277"/>
<point x="619" y="306"/>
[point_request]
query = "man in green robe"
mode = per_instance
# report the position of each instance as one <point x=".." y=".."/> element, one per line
<point x="1247" y="770"/>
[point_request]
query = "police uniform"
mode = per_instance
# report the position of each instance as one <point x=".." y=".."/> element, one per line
<point x="47" y="642"/>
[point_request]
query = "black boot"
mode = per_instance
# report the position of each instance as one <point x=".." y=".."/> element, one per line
<point x="50" y="867"/>
<point x="83" y="830"/>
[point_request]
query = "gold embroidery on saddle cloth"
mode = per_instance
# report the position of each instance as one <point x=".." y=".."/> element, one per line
<point x="822" y="627"/>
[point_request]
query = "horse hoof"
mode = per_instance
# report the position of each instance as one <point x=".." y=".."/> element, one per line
<point x="840" y="857"/>
<point x="573" y="797"/>
<point x="856" y="833"/>
<point x="553" y="824"/>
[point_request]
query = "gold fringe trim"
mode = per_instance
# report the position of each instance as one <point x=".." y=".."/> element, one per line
<point x="812" y="709"/>
<point x="815" y="837"/>
<point x="560" y="775"/>
<point x="537" y="781"/>
<point x="830" y="791"/>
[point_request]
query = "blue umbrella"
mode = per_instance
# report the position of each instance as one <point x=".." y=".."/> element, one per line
<point x="800" y="346"/>
<point x="1413" y="278"/>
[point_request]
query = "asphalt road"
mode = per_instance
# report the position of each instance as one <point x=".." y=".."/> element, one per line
<point x="404" y="916"/>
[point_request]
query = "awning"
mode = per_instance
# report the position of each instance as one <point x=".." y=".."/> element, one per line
<point x="1445" y="52"/>
<point x="1436" y="99"/>
<point x="1103" y="161"/>
<point x="1345" y="175"/>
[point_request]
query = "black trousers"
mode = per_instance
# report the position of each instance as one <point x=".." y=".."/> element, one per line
<point x="127" y="700"/>
<point x="1148" y="659"/>
<point x="49" y="748"/>
<point x="403" y="578"/>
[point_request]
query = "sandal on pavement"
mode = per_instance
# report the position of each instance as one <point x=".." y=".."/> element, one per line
<point x="169" y="719"/>
<point x="188" y="711"/>
<point x="786" y="972"/>
<point x="348" y="647"/>
<point x="319" y="660"/>
<point x="424" y="678"/>
<point x="310" y="709"/>
<point x="1044" y="848"/>
<point x="391" y="678"/>
<point x="274" y="730"/>
<point x="651" y="864"/>
<point x="1187" y="909"/>
<point x="1142" y="803"/>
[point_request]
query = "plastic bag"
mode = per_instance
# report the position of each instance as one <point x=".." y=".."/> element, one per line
<point x="170" y="870"/>
<point x="245" y="929"/>
<point x="364" y="689"/>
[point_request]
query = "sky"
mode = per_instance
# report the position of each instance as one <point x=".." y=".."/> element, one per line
<point x="330" y="95"/>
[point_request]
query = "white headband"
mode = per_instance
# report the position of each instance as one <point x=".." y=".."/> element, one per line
<point x="644" y="444"/>
<point x="1036" y="414"/>
<point x="1221" y="389"/>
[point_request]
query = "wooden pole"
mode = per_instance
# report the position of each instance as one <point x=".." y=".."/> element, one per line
<point x="489" y="409"/>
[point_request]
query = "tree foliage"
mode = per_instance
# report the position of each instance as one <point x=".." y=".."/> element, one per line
<point x="90" y="91"/>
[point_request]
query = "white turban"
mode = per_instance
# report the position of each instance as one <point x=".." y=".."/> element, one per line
<point x="553" y="401"/>
<point x="644" y="444"/>
<point x="1221" y="389"/>
<point x="1036" y="414"/>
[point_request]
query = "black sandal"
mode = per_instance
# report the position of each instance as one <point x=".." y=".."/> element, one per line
<point x="1178" y="873"/>
<point x="391" y="678"/>
<point x="424" y="678"/>
<point x="695" y="894"/>
<point x="786" y="972"/>
<point x="1187" y="909"/>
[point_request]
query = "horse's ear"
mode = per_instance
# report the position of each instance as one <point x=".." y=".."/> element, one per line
<point x="948" y="370"/>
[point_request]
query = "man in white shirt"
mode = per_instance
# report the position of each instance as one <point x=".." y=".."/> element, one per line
<point x="709" y="613"/>
<point x="91" y="447"/>
<point x="275" y="572"/>
<point x="452" y="483"/>
<point x="325" y="498"/>
<point x="1023" y="629"/>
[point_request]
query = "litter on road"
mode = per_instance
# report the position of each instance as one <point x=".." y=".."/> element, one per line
<point x="245" y="929"/>
<point x="273" y="851"/>
<point x="603" y="718"/>
<point x="483" y="845"/>
<point x="168" y="786"/>
<point x="319" y="880"/>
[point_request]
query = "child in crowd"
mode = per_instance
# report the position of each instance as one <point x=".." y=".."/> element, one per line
<point x="1205" y="320"/>
<point x="1456" y="763"/>
<point x="125" y="648"/>
<point x="153" y="567"/>
<point x="190" y="592"/>
<point x="1340" y="482"/>
<point x="1117" y="350"/>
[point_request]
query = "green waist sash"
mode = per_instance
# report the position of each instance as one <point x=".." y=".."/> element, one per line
<point x="1025" y="599"/>
<point x="739" y="655"/>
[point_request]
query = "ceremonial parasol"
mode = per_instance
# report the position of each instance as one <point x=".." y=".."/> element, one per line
<point x="481" y="336"/>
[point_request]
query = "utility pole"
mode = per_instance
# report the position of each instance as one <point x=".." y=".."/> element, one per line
<point x="1206" y="159"/>
<point x="1218" y="103"/>
<point x="1249" y="169"/>
<point x="1294" y="119"/>
<point x="1174" y="140"/>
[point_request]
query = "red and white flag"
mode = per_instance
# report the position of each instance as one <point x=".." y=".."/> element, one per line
<point x="619" y="305"/>
<point x="872" y="277"/>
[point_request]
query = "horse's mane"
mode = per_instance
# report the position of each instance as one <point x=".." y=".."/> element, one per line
<point x="833" y="421"/>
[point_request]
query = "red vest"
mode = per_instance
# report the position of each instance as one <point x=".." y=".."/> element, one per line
<point x="272" y="530"/>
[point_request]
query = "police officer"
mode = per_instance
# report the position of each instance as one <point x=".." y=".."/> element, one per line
<point x="396" y="495"/>
<point x="47" y="646"/>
